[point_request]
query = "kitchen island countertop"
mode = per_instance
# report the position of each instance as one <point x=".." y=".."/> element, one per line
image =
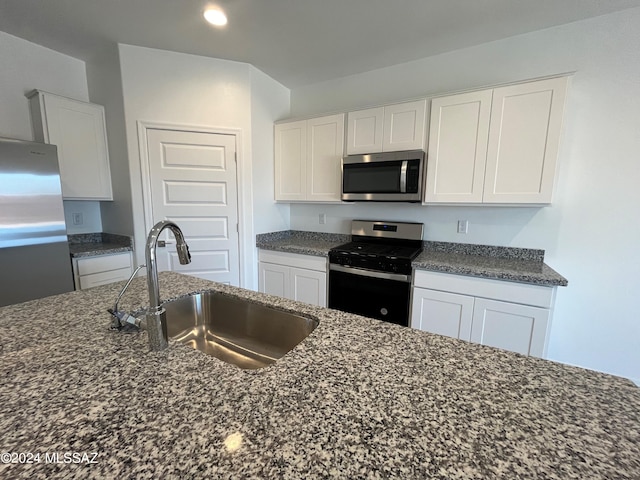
<point x="357" y="399"/>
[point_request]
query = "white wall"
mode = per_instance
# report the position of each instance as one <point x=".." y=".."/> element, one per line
<point x="105" y="88"/>
<point x="269" y="102"/>
<point x="26" y="66"/>
<point x="180" y="89"/>
<point x="591" y="232"/>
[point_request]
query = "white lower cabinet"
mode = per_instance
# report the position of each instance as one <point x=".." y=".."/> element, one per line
<point x="518" y="328"/>
<point x="501" y="314"/>
<point x="293" y="276"/>
<point x="100" y="270"/>
<point x="443" y="313"/>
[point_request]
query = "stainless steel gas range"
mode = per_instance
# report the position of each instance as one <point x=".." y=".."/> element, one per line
<point x="371" y="275"/>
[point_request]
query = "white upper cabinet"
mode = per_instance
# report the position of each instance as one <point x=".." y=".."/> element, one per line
<point x="457" y="155"/>
<point x="290" y="161"/>
<point x="496" y="146"/>
<point x="307" y="159"/>
<point x="387" y="129"/>
<point x="325" y="148"/>
<point x="524" y="137"/>
<point x="78" y="129"/>
<point x="364" y="132"/>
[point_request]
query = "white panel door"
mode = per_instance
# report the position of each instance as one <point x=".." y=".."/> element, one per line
<point x="524" y="137"/>
<point x="458" y="134"/>
<point x="364" y="131"/>
<point x="193" y="183"/>
<point x="443" y="313"/>
<point x="403" y="127"/>
<point x="518" y="328"/>
<point x="325" y="147"/>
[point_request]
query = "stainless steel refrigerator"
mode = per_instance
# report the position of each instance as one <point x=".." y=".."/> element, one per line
<point x="34" y="253"/>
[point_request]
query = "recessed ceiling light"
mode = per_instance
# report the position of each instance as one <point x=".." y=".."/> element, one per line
<point x="215" y="17"/>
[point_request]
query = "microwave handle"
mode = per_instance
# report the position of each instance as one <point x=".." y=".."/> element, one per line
<point x="403" y="177"/>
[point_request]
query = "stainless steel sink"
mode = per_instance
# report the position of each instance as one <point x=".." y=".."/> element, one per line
<point x="236" y="331"/>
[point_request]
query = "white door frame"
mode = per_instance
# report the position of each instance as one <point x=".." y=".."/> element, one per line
<point x="245" y="217"/>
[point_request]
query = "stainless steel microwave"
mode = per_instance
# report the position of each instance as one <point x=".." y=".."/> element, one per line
<point x="383" y="177"/>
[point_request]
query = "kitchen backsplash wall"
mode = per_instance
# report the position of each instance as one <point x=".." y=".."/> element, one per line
<point x="82" y="216"/>
<point x="506" y="226"/>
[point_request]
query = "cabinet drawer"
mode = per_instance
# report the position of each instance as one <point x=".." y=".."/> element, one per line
<point x="309" y="262"/>
<point x="103" y="278"/>
<point x="103" y="263"/>
<point x="513" y="292"/>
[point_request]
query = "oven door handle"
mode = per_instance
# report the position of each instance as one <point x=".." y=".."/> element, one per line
<point x="371" y="273"/>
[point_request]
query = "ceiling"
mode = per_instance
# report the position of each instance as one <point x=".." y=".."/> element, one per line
<point x="297" y="42"/>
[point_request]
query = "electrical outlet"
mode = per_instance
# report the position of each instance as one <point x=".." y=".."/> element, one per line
<point x="463" y="226"/>
<point x="322" y="218"/>
<point x="77" y="218"/>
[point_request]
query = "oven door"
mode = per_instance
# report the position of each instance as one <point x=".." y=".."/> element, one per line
<point x="380" y="295"/>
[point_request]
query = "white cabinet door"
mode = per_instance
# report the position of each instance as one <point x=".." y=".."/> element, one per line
<point x="443" y="313"/>
<point x="293" y="276"/>
<point x="274" y="279"/>
<point x="496" y="146"/>
<point x="309" y="286"/>
<point x="387" y="129"/>
<point x="325" y="147"/>
<point x="364" y="131"/>
<point x="518" y="328"/>
<point x="79" y="131"/>
<point x="403" y="127"/>
<point x="290" y="144"/>
<point x="524" y="136"/>
<point x="307" y="159"/>
<point x="458" y="133"/>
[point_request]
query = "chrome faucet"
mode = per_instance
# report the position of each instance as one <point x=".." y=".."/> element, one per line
<point x="156" y="319"/>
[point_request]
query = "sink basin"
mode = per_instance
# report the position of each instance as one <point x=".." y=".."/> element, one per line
<point x="236" y="331"/>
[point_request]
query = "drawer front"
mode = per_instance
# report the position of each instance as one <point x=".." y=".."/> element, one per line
<point x="103" y="263"/>
<point x="103" y="278"/>
<point x="310" y="262"/>
<point x="513" y="292"/>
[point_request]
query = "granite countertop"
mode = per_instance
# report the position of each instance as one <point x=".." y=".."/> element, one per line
<point x="500" y="263"/>
<point x="358" y="398"/>
<point x="92" y="244"/>
<point x="522" y="265"/>
<point x="297" y="241"/>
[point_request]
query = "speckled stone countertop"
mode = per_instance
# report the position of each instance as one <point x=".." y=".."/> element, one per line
<point x="92" y="244"/>
<point x="298" y="241"/>
<point x="524" y="265"/>
<point x="357" y="399"/>
<point x="500" y="263"/>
